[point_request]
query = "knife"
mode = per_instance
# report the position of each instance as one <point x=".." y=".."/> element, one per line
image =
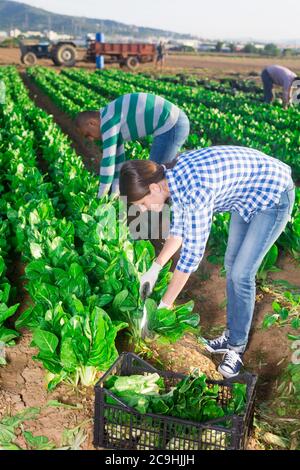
<point x="144" y="322"/>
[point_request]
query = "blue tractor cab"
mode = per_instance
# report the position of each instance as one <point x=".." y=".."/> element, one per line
<point x="61" y="53"/>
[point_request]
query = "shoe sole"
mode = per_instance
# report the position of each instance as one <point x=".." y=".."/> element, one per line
<point x="227" y="375"/>
<point x="215" y="351"/>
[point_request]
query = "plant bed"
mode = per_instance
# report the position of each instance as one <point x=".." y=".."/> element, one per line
<point x="120" y="426"/>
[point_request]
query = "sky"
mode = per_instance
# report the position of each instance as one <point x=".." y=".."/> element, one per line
<point x="219" y="19"/>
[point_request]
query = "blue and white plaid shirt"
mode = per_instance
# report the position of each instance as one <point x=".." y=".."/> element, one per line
<point x="220" y="179"/>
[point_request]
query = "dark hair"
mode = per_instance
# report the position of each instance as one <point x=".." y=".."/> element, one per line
<point x="137" y="175"/>
<point x="84" y="116"/>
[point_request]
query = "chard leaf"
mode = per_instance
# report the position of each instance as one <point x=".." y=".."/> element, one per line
<point x="104" y="300"/>
<point x="46" y="341"/>
<point x="7" y="335"/>
<point x="4" y="446"/>
<point x="6" y="312"/>
<point x="30" y="318"/>
<point x="2" y="266"/>
<point x="37" y="270"/>
<point x="51" y="364"/>
<point x="59" y="404"/>
<point x="81" y="346"/>
<point x="38" y="442"/>
<point x="67" y="355"/>
<point x="36" y="250"/>
<point x="119" y="300"/>
<point x="53" y="380"/>
<point x="16" y="420"/>
<point x="5" y="288"/>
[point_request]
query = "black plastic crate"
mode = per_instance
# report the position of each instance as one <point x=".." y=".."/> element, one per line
<point x="122" y="427"/>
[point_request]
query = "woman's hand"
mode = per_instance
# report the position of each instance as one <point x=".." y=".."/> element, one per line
<point x="170" y="247"/>
<point x="179" y="279"/>
<point x="150" y="277"/>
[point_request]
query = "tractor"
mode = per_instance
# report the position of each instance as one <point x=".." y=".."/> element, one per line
<point x="61" y="53"/>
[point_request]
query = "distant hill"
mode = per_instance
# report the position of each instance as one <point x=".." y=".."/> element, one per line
<point x="25" y="17"/>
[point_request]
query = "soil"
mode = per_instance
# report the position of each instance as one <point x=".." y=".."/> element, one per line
<point x="225" y="64"/>
<point x="203" y="65"/>
<point x="22" y="385"/>
<point x="22" y="380"/>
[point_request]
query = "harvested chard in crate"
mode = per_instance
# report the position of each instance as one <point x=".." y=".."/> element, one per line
<point x="142" y="408"/>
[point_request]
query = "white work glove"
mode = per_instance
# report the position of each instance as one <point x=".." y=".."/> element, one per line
<point x="150" y="276"/>
<point x="163" y="305"/>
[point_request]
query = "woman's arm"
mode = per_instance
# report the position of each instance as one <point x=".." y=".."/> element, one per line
<point x="172" y="244"/>
<point x="176" y="285"/>
<point x="179" y="278"/>
<point x="196" y="231"/>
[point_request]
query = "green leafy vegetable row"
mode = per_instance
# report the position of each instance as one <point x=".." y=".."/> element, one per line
<point x="7" y="308"/>
<point x="74" y="335"/>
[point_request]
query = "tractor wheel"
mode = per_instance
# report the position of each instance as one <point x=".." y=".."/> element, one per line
<point x="29" y="58"/>
<point x="64" y="55"/>
<point x="132" y="63"/>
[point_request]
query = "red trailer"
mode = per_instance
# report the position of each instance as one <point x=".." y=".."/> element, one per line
<point x="130" y="55"/>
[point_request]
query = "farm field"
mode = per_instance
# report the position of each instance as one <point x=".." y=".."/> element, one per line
<point x="58" y="276"/>
<point x="204" y="65"/>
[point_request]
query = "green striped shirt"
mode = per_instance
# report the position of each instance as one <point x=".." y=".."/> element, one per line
<point x="130" y="117"/>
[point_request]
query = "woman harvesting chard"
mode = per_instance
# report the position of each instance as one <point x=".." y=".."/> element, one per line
<point x="131" y="117"/>
<point x="258" y="191"/>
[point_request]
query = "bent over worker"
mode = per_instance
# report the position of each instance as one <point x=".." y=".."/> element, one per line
<point x="131" y="117"/>
<point x="258" y="191"/>
<point x="278" y="75"/>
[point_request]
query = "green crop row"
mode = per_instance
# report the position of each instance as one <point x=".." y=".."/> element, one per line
<point x="7" y="306"/>
<point x="74" y="336"/>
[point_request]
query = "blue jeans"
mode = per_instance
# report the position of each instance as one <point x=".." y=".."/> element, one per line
<point x="248" y="243"/>
<point x="166" y="146"/>
<point x="268" y="86"/>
